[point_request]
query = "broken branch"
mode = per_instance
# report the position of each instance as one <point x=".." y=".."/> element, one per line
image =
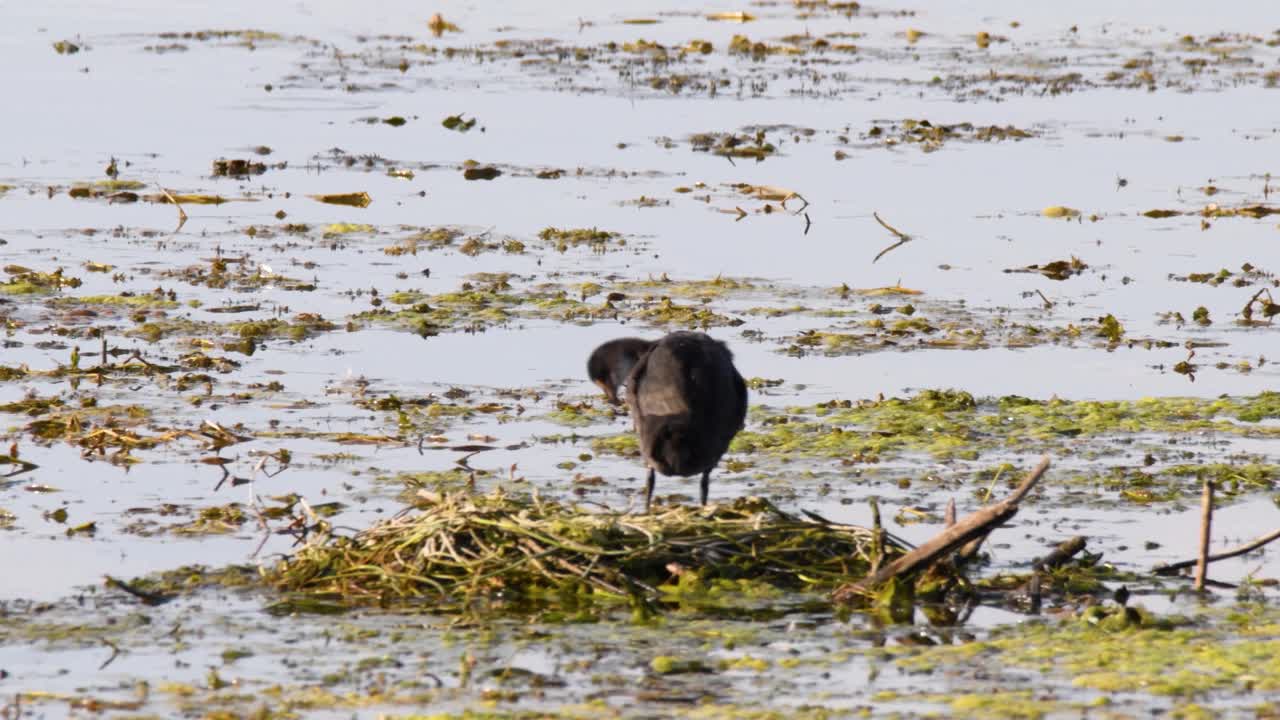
<point x="975" y="525"/>
<point x="1173" y="568"/>
<point x="903" y="238"/>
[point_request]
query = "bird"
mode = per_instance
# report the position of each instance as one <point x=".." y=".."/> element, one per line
<point x="686" y="398"/>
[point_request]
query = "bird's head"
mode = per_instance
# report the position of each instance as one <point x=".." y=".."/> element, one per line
<point x="611" y="363"/>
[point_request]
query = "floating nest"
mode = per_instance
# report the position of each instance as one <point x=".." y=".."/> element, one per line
<point x="462" y="548"/>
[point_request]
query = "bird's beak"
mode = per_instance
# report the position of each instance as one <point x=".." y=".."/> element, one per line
<point x="610" y="394"/>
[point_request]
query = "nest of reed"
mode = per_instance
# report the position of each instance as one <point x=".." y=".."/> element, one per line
<point x="460" y="548"/>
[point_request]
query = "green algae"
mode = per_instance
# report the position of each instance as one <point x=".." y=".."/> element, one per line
<point x="1110" y="651"/>
<point x="931" y="136"/>
<point x="495" y="299"/>
<point x="955" y="424"/>
<point x="731" y="145"/>
<point x="217" y="520"/>
<point x="581" y="414"/>
<point x="24" y="281"/>
<point x="672" y="665"/>
<point x="124" y="300"/>
<point x="241" y="336"/>
<point x="626" y="445"/>
<point x="563" y="239"/>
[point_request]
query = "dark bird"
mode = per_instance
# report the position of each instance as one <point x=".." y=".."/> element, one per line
<point x="687" y="400"/>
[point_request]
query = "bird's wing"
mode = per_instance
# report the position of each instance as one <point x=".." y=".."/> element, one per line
<point x="740" y="391"/>
<point x="662" y="399"/>
<point x="659" y="385"/>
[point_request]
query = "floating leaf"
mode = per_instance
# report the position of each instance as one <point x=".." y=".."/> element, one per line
<point x="233" y="168"/>
<point x="88" y="528"/>
<point x="892" y="290"/>
<point x="487" y="172"/>
<point x="360" y="199"/>
<point x="1060" y="211"/>
<point x="735" y="16"/>
<point x="440" y="26"/>
<point x="1110" y="328"/>
<point x="456" y="122"/>
<point x="346" y="228"/>
<point x="191" y="199"/>
<point x="1161" y="213"/>
<point x="1056" y="270"/>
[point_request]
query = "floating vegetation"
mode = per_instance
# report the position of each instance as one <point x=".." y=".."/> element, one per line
<point x="238" y="168"/>
<point x="1056" y="270"/>
<point x="431" y="239"/>
<point x="480" y="172"/>
<point x="1213" y="210"/>
<point x="1060" y="211"/>
<point x="1247" y="276"/>
<point x="930" y="136"/>
<point x="456" y="122"/>
<point x="734" y="146"/>
<point x="954" y="424"/>
<point x="461" y="548"/>
<point x="562" y="240"/>
<point x="1118" y="650"/>
<point x="25" y="281"/>
<point x="358" y="199"/>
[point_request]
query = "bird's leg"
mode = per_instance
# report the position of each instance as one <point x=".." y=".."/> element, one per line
<point x="648" y="491"/>
<point x="706" y="483"/>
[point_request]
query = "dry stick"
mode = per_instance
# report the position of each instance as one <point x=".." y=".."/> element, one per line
<point x="1206" y="522"/>
<point x="1065" y="550"/>
<point x="147" y="598"/>
<point x="182" y="214"/>
<point x="1247" y="312"/>
<point x="877" y="537"/>
<point x="115" y="653"/>
<point x="903" y="238"/>
<point x="1173" y="568"/>
<point x="976" y="524"/>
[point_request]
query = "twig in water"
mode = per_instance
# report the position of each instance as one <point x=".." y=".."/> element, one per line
<point x="147" y="598"/>
<point x="877" y="537"/>
<point x="1047" y="302"/>
<point x="978" y="524"/>
<point x="182" y="214"/>
<point x="226" y="474"/>
<point x="115" y="653"/>
<point x="1065" y="550"/>
<point x="1206" y="523"/>
<point x="807" y="223"/>
<point x="1236" y="551"/>
<point x="903" y="238"/>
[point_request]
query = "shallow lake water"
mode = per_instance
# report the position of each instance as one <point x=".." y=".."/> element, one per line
<point x="1087" y="193"/>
